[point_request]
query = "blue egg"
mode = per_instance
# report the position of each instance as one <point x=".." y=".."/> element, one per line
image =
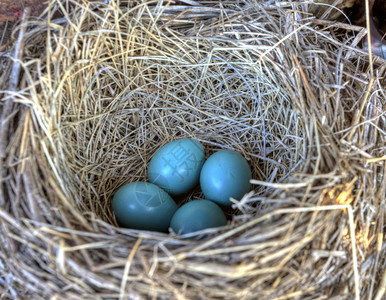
<point x="143" y="205"/>
<point x="176" y="166"/>
<point x="197" y="215"/>
<point x="225" y="174"/>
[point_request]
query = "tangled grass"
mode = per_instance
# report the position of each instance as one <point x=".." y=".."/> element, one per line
<point x="105" y="85"/>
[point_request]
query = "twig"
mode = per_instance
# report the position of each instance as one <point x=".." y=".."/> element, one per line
<point x="368" y="25"/>
<point x="18" y="54"/>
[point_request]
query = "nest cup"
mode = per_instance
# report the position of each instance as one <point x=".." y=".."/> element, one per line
<point x="106" y="85"/>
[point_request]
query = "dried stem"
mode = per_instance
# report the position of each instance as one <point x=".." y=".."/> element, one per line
<point x="109" y="83"/>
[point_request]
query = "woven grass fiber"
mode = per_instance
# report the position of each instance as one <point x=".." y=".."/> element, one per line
<point x="90" y="95"/>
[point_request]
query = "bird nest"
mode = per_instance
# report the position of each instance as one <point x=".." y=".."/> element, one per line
<point x="94" y="89"/>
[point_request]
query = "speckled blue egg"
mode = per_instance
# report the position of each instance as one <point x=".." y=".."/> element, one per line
<point x="225" y="174"/>
<point x="197" y="215"/>
<point x="143" y="205"/>
<point x="176" y="166"/>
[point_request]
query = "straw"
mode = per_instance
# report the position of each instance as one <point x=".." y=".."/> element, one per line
<point x="107" y="84"/>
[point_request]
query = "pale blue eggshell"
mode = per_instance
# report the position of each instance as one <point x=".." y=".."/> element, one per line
<point x="197" y="215"/>
<point x="176" y="166"/>
<point x="143" y="205"/>
<point x="225" y="174"/>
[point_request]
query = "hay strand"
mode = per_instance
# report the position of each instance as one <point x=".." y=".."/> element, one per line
<point x="107" y="84"/>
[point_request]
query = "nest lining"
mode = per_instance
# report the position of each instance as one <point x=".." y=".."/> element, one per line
<point x="104" y="87"/>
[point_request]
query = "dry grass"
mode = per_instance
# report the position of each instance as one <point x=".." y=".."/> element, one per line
<point x="104" y="87"/>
